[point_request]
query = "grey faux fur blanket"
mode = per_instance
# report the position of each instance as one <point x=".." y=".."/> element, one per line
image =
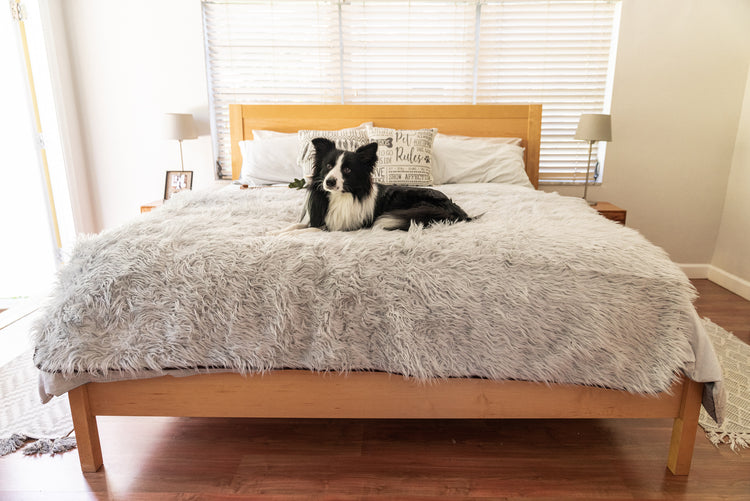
<point x="539" y="288"/>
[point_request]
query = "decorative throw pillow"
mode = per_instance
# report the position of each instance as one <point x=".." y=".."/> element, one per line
<point x="345" y="139"/>
<point x="404" y="156"/>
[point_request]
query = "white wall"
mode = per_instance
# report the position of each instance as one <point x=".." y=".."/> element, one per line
<point x="732" y="254"/>
<point x="131" y="62"/>
<point x="678" y="88"/>
<point x="680" y="78"/>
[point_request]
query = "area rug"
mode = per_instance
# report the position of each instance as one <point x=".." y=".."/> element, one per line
<point x="24" y="422"/>
<point x="734" y="356"/>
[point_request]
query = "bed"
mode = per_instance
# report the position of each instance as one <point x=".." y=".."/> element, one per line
<point x="267" y="391"/>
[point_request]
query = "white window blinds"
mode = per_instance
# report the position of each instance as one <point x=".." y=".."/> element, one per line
<point x="554" y="52"/>
<point x="408" y="52"/>
<point x="268" y="52"/>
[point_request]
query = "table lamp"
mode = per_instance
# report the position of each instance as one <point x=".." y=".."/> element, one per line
<point x="179" y="126"/>
<point x="592" y="128"/>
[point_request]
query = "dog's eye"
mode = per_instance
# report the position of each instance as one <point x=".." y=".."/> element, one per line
<point x="329" y="166"/>
<point x="346" y="170"/>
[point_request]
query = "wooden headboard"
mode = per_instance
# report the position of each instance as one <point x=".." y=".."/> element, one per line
<point x="480" y="120"/>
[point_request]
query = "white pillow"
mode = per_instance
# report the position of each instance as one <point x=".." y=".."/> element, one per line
<point x="404" y="156"/>
<point x="463" y="159"/>
<point x="346" y="139"/>
<point x="267" y="134"/>
<point x="488" y="140"/>
<point x="269" y="161"/>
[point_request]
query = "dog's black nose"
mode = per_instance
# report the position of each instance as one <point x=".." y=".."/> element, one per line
<point x="330" y="182"/>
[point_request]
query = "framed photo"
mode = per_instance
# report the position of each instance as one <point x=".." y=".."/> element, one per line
<point x="177" y="180"/>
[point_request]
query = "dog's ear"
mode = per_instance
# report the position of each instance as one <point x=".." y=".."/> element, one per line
<point x="322" y="147"/>
<point x="368" y="154"/>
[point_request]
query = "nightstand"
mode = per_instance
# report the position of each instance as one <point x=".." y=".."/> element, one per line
<point x="151" y="206"/>
<point x="611" y="211"/>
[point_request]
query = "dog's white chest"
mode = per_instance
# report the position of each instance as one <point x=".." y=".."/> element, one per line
<point x="346" y="213"/>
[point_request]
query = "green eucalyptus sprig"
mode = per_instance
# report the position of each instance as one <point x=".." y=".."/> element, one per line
<point x="297" y="183"/>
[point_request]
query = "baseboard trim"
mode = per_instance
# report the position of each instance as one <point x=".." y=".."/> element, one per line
<point x="733" y="283"/>
<point x="695" y="270"/>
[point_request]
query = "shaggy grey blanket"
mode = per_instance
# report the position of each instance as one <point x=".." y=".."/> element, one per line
<point x="539" y="288"/>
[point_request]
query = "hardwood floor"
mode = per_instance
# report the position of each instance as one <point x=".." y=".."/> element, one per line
<point x="180" y="458"/>
<point x="724" y="308"/>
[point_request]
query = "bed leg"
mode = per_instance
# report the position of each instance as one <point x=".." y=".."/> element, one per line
<point x="684" y="428"/>
<point x="87" y="433"/>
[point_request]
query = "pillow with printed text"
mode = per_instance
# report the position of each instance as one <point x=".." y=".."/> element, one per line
<point x="404" y="156"/>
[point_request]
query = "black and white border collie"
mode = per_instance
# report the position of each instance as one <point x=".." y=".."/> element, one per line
<point x="343" y="196"/>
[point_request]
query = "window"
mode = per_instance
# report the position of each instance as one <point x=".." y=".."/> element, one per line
<point x="408" y="52"/>
<point x="35" y="203"/>
<point x="554" y="52"/>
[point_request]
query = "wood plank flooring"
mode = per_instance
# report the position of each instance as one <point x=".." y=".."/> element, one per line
<point x="724" y="308"/>
<point x="179" y="458"/>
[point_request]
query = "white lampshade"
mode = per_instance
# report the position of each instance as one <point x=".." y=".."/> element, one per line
<point x="179" y="126"/>
<point x="594" y="127"/>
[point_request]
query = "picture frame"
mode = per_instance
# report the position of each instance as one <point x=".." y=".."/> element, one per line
<point x="177" y="181"/>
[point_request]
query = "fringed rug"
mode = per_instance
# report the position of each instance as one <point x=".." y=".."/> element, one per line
<point x="24" y="422"/>
<point x="734" y="356"/>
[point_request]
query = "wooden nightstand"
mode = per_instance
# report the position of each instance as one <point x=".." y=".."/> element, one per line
<point x="151" y="206"/>
<point x="611" y="211"/>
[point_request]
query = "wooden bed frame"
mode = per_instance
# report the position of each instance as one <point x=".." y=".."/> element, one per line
<point x="304" y="394"/>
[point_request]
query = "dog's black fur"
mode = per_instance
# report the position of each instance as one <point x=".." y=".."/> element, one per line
<point x="338" y="175"/>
